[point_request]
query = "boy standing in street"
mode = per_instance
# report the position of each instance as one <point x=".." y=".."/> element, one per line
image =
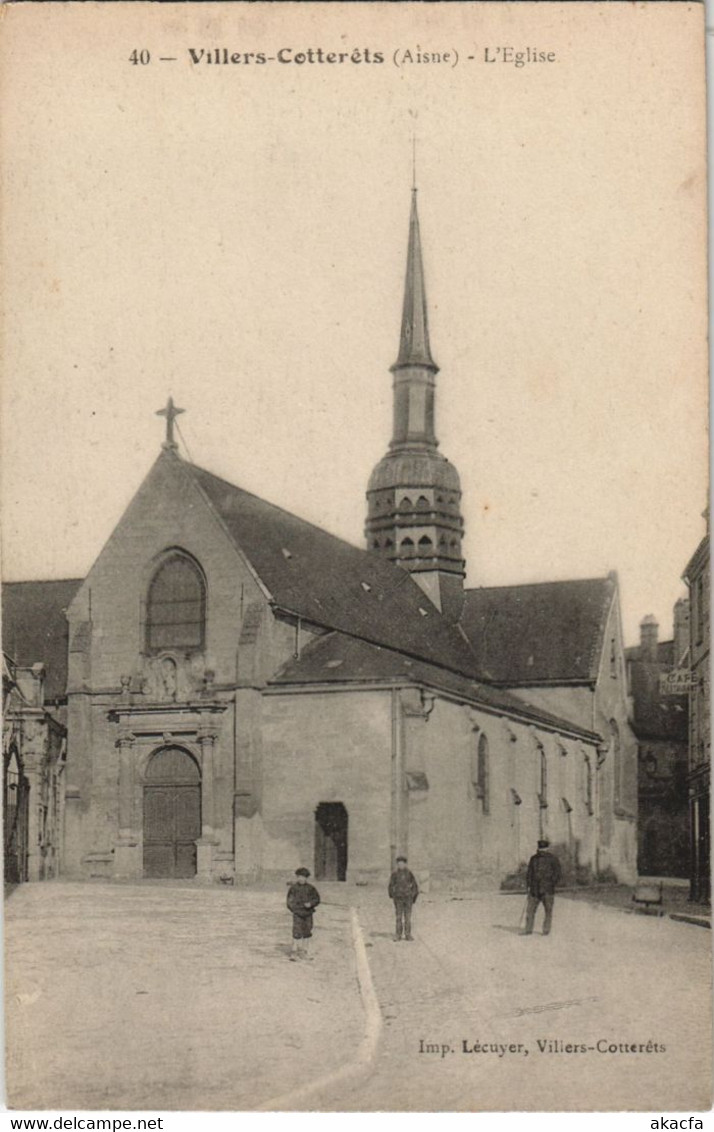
<point x="403" y="890"/>
<point x="303" y="899"/>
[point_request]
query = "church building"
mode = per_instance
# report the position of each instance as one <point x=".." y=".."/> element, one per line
<point x="246" y="692"/>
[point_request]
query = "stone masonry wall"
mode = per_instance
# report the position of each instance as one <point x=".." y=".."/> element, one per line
<point x="326" y="747"/>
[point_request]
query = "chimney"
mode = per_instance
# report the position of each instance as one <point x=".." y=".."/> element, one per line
<point x="649" y="630"/>
<point x="681" y="632"/>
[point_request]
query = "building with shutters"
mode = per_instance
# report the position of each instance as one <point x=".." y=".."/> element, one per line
<point x="246" y="692"/>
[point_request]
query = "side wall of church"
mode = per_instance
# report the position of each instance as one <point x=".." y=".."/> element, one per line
<point x="605" y="710"/>
<point x="326" y="748"/>
<point x="482" y="789"/>
<point x="465" y="794"/>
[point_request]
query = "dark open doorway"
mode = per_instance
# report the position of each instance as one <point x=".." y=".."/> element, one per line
<point x="331" y="841"/>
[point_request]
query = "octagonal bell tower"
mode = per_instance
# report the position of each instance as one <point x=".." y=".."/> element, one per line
<point x="414" y="493"/>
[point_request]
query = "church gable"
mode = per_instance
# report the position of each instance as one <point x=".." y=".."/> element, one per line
<point x="168" y="581"/>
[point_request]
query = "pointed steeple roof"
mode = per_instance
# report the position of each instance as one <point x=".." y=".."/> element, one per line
<point x="414" y="349"/>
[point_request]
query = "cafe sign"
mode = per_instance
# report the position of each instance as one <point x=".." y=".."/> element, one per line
<point x="678" y="682"/>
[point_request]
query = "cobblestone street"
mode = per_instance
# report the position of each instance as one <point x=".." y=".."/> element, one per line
<point x="173" y="997"/>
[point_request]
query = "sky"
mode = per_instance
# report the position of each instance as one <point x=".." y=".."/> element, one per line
<point x="235" y="236"/>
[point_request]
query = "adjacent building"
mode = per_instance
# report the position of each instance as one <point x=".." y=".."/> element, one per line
<point x="696" y="575"/>
<point x="34" y="749"/>
<point x="658" y="678"/>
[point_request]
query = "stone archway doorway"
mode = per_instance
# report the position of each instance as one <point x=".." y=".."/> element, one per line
<point x="172" y="814"/>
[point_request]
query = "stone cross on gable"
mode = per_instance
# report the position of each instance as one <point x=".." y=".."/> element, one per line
<point x="171" y="412"/>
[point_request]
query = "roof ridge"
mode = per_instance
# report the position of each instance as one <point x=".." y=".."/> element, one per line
<point x="533" y="585"/>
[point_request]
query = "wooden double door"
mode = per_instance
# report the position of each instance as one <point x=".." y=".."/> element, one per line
<point x="172" y="814"/>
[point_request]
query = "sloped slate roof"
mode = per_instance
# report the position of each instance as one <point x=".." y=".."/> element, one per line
<point x="541" y="633"/>
<point x="339" y="659"/>
<point x="35" y="629"/>
<point x="331" y="583"/>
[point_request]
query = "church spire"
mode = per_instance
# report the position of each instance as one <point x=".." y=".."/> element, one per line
<point x="414" y="493"/>
<point x="414" y="370"/>
<point x="414" y="348"/>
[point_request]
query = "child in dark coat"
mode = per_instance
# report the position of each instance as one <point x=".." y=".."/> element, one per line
<point x="303" y="898"/>
<point x="403" y="890"/>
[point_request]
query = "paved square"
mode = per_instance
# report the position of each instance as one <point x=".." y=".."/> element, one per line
<point x="602" y="978"/>
<point x="161" y="996"/>
<point x="170" y="997"/>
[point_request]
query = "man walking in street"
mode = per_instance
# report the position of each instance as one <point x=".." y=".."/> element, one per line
<point x="303" y="899"/>
<point x="543" y="876"/>
<point x="403" y="890"/>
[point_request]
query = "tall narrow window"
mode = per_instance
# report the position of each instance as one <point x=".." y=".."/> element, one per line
<point x="480" y="773"/>
<point x="587" y="783"/>
<point x="482" y="783"/>
<point x="543" y="780"/>
<point x="616" y="748"/>
<point x="176" y="606"/>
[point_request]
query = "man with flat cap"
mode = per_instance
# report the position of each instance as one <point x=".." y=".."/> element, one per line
<point x="403" y="890"/>
<point x="541" y="881"/>
<point x="303" y="899"/>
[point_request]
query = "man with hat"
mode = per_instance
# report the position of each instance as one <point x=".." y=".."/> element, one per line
<point x="403" y="890"/>
<point x="543" y="876"/>
<point x="303" y="899"/>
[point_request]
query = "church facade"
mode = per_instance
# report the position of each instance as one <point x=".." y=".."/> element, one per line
<point x="246" y="692"/>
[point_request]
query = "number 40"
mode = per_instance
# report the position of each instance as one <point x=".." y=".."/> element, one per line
<point x="142" y="57"/>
